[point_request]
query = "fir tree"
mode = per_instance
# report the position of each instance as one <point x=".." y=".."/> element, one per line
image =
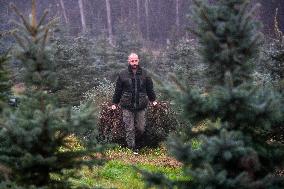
<point x="275" y="64"/>
<point x="129" y="40"/>
<point x="5" y="74"/>
<point x="34" y="138"/>
<point x="275" y="67"/>
<point x="227" y="42"/>
<point x="234" y="150"/>
<point x="5" y="84"/>
<point x="182" y="57"/>
<point x="105" y="54"/>
<point x="75" y="67"/>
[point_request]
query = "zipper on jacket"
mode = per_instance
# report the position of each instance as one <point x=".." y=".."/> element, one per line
<point x="135" y="92"/>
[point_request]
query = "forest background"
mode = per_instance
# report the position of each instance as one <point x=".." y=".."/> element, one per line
<point x="90" y="41"/>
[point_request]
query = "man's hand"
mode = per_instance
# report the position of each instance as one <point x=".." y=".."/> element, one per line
<point x="154" y="103"/>
<point x="113" y="107"/>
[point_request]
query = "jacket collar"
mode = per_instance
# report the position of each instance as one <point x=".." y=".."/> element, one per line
<point x="139" y="70"/>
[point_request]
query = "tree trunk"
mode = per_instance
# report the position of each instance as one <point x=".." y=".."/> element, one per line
<point x="147" y="19"/>
<point x="83" y="20"/>
<point x="177" y="15"/>
<point x="34" y="22"/>
<point x="64" y="11"/>
<point x="138" y="14"/>
<point x="109" y="22"/>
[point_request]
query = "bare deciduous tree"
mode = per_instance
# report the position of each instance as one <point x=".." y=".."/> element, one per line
<point x="138" y="10"/>
<point x="138" y="14"/>
<point x="64" y="11"/>
<point x="83" y="20"/>
<point x="177" y="14"/>
<point x="109" y="22"/>
<point x="147" y="19"/>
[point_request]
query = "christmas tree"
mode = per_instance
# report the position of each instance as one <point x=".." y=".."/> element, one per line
<point x="275" y="64"/>
<point x="75" y="67"/>
<point x="228" y="46"/>
<point x="35" y="138"/>
<point x="275" y="67"/>
<point x="5" y="84"/>
<point x="233" y="148"/>
<point x="128" y="40"/>
<point x="106" y="62"/>
<point x="183" y="58"/>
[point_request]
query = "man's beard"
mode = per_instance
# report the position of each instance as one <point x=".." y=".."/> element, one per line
<point x="134" y="66"/>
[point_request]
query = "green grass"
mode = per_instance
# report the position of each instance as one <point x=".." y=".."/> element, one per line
<point x="119" y="171"/>
<point x="117" y="174"/>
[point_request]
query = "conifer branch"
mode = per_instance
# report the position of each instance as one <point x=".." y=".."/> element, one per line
<point x="255" y="41"/>
<point x="52" y="23"/>
<point x="5" y="33"/>
<point x="253" y="10"/>
<point x="277" y="31"/>
<point x="244" y="23"/>
<point x="229" y="80"/>
<point x="25" y="22"/>
<point x="42" y="19"/>
<point x="243" y="9"/>
<point x="206" y="19"/>
<point x="203" y="13"/>
<point x="20" y="41"/>
<point x="3" y="126"/>
<point x="213" y="37"/>
<point x="28" y="40"/>
<point x="248" y="16"/>
<point x="41" y="37"/>
<point x="18" y="25"/>
<point x="5" y="55"/>
<point x="194" y="32"/>
<point x="253" y="90"/>
<point x="178" y="83"/>
<point x="45" y="38"/>
<point x="5" y="171"/>
<point x="245" y="20"/>
<point x="197" y="3"/>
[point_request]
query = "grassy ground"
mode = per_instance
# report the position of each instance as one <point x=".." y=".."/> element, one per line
<point x="119" y="171"/>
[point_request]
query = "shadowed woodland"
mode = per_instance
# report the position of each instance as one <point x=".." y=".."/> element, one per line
<point x="217" y="67"/>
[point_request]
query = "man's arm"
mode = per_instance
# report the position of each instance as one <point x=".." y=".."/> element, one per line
<point x="118" y="91"/>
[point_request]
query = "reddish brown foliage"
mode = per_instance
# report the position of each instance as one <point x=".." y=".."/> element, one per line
<point x="160" y="121"/>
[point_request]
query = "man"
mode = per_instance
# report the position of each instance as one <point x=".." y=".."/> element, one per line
<point x="133" y="89"/>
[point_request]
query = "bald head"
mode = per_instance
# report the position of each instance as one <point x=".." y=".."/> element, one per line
<point x="132" y="56"/>
<point x="133" y="60"/>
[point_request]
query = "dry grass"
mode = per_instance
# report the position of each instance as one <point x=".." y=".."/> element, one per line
<point x="157" y="157"/>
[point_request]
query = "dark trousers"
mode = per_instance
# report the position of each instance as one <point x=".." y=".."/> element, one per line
<point x="133" y="120"/>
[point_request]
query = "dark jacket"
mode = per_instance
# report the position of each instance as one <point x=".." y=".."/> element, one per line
<point x="132" y="91"/>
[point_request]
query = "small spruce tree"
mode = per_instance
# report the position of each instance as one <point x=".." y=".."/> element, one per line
<point x="106" y="63"/>
<point x="233" y="151"/>
<point x="275" y="65"/>
<point x="5" y="83"/>
<point x="229" y="46"/>
<point x="129" y="40"/>
<point x="183" y="58"/>
<point x="75" y="67"/>
<point x="34" y="137"/>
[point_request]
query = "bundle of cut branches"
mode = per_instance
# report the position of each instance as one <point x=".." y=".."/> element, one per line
<point x="160" y="121"/>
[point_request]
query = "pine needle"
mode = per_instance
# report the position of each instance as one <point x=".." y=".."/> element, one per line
<point x="25" y="22"/>
<point x="42" y="19"/>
